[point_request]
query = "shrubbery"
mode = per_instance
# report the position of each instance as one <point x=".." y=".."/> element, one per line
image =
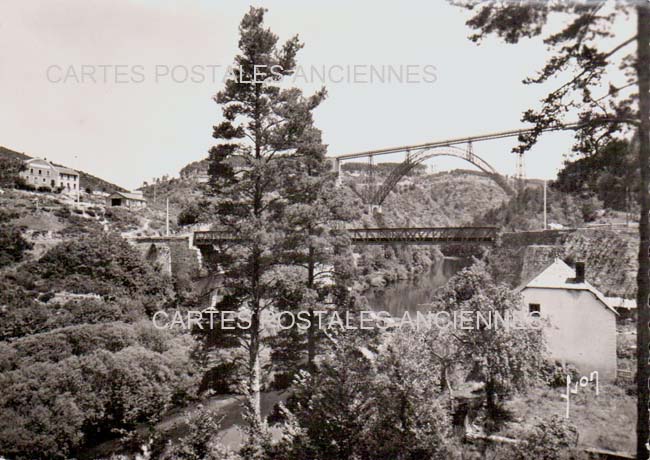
<point x="12" y="244"/>
<point x="101" y="264"/>
<point x="30" y="317"/>
<point x="10" y="169"/>
<point x="82" y="370"/>
<point x="79" y="340"/>
<point x="51" y="409"/>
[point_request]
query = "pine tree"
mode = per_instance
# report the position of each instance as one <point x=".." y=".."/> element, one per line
<point x="318" y="246"/>
<point x="263" y="126"/>
<point x="576" y="52"/>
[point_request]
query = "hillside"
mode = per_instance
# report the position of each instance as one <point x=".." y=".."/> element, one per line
<point x="437" y="200"/>
<point x="88" y="181"/>
<point x="452" y="198"/>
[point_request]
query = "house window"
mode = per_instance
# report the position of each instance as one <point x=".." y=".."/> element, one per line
<point x="534" y="309"/>
<point x="39" y="172"/>
<point x="31" y="171"/>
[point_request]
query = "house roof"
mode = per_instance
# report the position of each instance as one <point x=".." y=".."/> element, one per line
<point x="64" y="170"/>
<point x="46" y="164"/>
<point x="39" y="162"/>
<point x="128" y="195"/>
<point x="559" y="275"/>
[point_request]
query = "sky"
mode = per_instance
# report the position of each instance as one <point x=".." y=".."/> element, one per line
<point x="123" y="89"/>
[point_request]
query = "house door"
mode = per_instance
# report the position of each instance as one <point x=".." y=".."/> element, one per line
<point x="116" y="202"/>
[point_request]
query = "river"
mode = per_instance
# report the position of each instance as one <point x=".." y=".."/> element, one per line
<point x="411" y="295"/>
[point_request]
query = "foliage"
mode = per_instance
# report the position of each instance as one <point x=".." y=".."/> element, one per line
<point x="122" y="219"/>
<point x="199" y="443"/>
<point x="552" y="439"/>
<point x="315" y="213"/>
<point x="507" y="358"/>
<point x="610" y="174"/>
<point x="12" y="244"/>
<point x="195" y="212"/>
<point x="525" y="211"/>
<point x="264" y="129"/>
<point x="554" y="374"/>
<point x="10" y="169"/>
<point x="53" y="346"/>
<point x="27" y="316"/>
<point x="101" y="264"/>
<point x="51" y="409"/>
<point x="364" y="404"/>
<point x="577" y="51"/>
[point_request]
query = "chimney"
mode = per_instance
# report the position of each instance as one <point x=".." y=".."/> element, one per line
<point x="580" y="272"/>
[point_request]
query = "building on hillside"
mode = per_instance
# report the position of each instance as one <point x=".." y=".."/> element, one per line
<point x="131" y="200"/>
<point x="581" y="324"/>
<point x="42" y="173"/>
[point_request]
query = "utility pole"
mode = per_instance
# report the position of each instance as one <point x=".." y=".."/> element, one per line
<point x="167" y="219"/>
<point x="545" y="219"/>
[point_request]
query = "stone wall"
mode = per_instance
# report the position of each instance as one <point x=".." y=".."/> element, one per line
<point x="610" y="256"/>
<point x="174" y="256"/>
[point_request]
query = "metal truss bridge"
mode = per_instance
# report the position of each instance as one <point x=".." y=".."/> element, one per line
<point x="374" y="194"/>
<point x="400" y="235"/>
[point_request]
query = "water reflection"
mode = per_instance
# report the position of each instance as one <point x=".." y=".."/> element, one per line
<point x="409" y="295"/>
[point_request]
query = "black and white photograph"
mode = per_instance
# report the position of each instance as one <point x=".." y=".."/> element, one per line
<point x="344" y="230"/>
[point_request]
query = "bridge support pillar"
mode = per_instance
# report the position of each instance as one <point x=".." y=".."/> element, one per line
<point x="337" y="166"/>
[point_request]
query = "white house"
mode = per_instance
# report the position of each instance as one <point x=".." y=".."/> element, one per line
<point x="41" y="173"/>
<point x="581" y="327"/>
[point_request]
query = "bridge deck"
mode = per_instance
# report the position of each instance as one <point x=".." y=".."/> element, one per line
<point x="407" y="235"/>
<point x="424" y="235"/>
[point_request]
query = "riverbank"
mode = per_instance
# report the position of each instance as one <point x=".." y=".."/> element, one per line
<point x="413" y="294"/>
<point x="380" y="266"/>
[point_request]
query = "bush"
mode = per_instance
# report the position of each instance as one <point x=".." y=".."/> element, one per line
<point x="122" y="219"/>
<point x="193" y="213"/>
<point x="552" y="439"/>
<point x="554" y="374"/>
<point x="49" y="410"/>
<point x="10" y="169"/>
<point x="63" y="212"/>
<point x="32" y="318"/>
<point x="12" y="244"/>
<point x="79" y="340"/>
<point x="199" y="443"/>
<point x="101" y="264"/>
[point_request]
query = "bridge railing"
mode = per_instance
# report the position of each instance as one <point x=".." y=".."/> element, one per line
<point x="422" y="235"/>
<point x="211" y="236"/>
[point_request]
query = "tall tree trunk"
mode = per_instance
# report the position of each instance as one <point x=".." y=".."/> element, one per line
<point x="643" y="280"/>
<point x="311" y="331"/>
<point x="254" y="371"/>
